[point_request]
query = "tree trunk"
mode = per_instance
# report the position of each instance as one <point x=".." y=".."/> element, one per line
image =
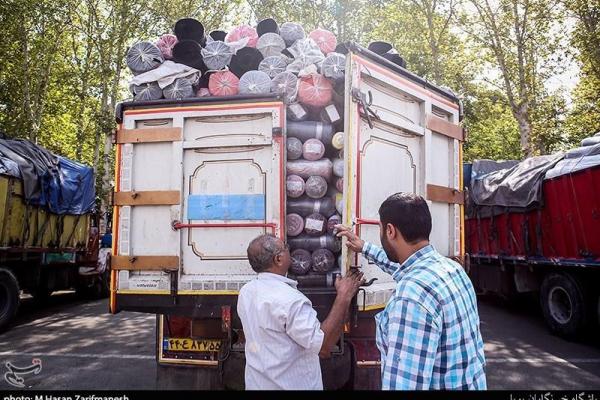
<point x="522" y="117"/>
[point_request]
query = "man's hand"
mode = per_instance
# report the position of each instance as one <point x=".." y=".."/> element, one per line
<point x="354" y="243"/>
<point x="347" y="286"/>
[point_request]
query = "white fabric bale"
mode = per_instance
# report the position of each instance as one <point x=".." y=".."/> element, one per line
<point x="285" y="84"/>
<point x="255" y="82"/>
<point x="181" y="88"/>
<point x="334" y="66"/>
<point x="270" y="44"/>
<point x="143" y="57"/>
<point x="217" y="55"/>
<point x="290" y="32"/>
<point x="306" y="53"/>
<point x="146" y="91"/>
<point x="273" y="65"/>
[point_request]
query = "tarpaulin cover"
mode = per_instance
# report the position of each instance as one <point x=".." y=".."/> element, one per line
<point x="519" y="186"/>
<point x="61" y="185"/>
<point x="576" y="160"/>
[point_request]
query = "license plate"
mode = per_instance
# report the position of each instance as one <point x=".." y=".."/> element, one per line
<point x="174" y="344"/>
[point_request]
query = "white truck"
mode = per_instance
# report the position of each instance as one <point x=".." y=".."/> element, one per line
<point x="176" y="158"/>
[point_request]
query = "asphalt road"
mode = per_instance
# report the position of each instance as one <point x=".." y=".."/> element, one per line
<point x="82" y="347"/>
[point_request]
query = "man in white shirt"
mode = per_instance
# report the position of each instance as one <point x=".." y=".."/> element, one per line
<point x="284" y="338"/>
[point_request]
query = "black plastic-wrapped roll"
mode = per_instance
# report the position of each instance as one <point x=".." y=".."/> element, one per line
<point x="334" y="220"/>
<point x="305" y="168"/>
<point x="294" y="186"/>
<point x="306" y="206"/>
<point x="305" y="130"/>
<point x="317" y="280"/>
<point x="316" y="187"/>
<point x="296" y="112"/>
<point x="323" y="260"/>
<point x="143" y="57"/>
<point x="294" y="225"/>
<point x="315" y="225"/>
<point x="312" y="243"/>
<point x="294" y="148"/>
<point x="301" y="262"/>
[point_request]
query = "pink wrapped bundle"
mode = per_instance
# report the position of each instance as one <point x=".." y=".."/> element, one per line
<point x="313" y="150"/>
<point x="294" y="186"/>
<point x="306" y="169"/>
<point x="315" y="90"/>
<point x="301" y="262"/>
<point x="315" y="225"/>
<point x="334" y="220"/>
<point x="165" y="44"/>
<point x="241" y="32"/>
<point x="339" y="184"/>
<point x="324" y="39"/>
<point x="316" y="187"/>
<point x="323" y="260"/>
<point x="294" y="224"/>
<point x="203" y="92"/>
<point x="223" y="83"/>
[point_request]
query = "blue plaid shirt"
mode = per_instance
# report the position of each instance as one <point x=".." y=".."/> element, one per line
<point x="428" y="334"/>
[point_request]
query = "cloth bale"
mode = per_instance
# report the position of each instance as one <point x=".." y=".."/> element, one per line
<point x="294" y="148"/>
<point x="315" y="90"/>
<point x="165" y="44"/>
<point x="301" y="262"/>
<point x="285" y="84"/>
<point x="295" y="186"/>
<point x="325" y="39"/>
<point x="143" y="57"/>
<point x="217" y="55"/>
<point x="291" y="32"/>
<point x="313" y="150"/>
<point x="241" y="32"/>
<point x="316" y="187"/>
<point x="270" y="44"/>
<point x="315" y="225"/>
<point x="223" y="83"/>
<point x="146" y="92"/>
<point x="255" y="82"/>
<point x="272" y="66"/>
<point x="334" y="66"/>
<point x="294" y="224"/>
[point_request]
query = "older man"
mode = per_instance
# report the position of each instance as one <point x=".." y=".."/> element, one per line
<point x="428" y="334"/>
<point x="284" y="338"/>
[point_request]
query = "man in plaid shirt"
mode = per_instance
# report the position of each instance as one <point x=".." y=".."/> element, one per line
<point x="428" y="334"/>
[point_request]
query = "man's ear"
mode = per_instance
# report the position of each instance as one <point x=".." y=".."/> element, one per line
<point x="390" y="231"/>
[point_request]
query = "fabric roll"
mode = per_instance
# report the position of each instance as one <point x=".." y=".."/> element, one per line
<point x="146" y="92"/>
<point x="255" y="82"/>
<point x="323" y="260"/>
<point x="143" y="57"/>
<point x="313" y="150"/>
<point x="305" y="130"/>
<point x="338" y="141"/>
<point x="338" y="167"/>
<point x="270" y="44"/>
<point x="294" y="148"/>
<point x="217" y="55"/>
<point x="312" y="243"/>
<point x="223" y="83"/>
<point x="291" y="32"/>
<point x="165" y="44"/>
<point x="316" y="187"/>
<point x="339" y="184"/>
<point x="325" y="39"/>
<point x="306" y="54"/>
<point x="244" y="60"/>
<point x="331" y="114"/>
<point x="189" y="52"/>
<point x="190" y="29"/>
<point x="267" y="25"/>
<point x="315" y="225"/>
<point x="241" y="32"/>
<point x="218" y="35"/>
<point x="305" y="168"/>
<point x="334" y="66"/>
<point x="182" y="88"/>
<point x="315" y="90"/>
<point x="285" y="84"/>
<point x="294" y="225"/>
<point x="273" y="66"/>
<point x="295" y="186"/>
<point x="301" y="262"/>
<point x="305" y="206"/>
<point x="296" y="112"/>
<point x="334" y="220"/>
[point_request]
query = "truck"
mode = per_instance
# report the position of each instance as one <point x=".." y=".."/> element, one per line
<point x="48" y="241"/>
<point x="548" y="249"/>
<point x="401" y="134"/>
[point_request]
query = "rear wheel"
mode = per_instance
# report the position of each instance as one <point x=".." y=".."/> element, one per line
<point x="9" y="297"/>
<point x="564" y="305"/>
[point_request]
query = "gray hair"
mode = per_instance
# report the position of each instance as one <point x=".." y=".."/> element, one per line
<point x="261" y="251"/>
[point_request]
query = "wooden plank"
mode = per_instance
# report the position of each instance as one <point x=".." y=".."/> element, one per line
<point x="145" y="263"/>
<point x="444" y="194"/>
<point x="445" y="128"/>
<point x="148" y="135"/>
<point x="147" y="198"/>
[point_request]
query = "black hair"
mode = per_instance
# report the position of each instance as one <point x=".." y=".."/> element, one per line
<point x="409" y="213"/>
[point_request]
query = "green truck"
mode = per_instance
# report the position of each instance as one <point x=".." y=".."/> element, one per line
<point x="49" y="238"/>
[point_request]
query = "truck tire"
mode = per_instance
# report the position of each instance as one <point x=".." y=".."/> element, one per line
<point x="563" y="303"/>
<point x="9" y="297"/>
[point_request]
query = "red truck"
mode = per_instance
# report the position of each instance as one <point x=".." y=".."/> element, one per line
<point x="534" y="227"/>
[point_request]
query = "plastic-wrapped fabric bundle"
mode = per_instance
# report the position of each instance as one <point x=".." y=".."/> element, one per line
<point x="334" y="66"/>
<point x="255" y="82"/>
<point x="334" y="220"/>
<point x="338" y="167"/>
<point x="294" y="148"/>
<point x="590" y="141"/>
<point x="305" y="168"/>
<point x="270" y="44"/>
<point x="315" y="90"/>
<point x="305" y="130"/>
<point x="296" y="112"/>
<point x="181" y="88"/>
<point x="315" y="225"/>
<point x="339" y="204"/>
<point x="294" y="224"/>
<point x="305" y="53"/>
<point x="272" y="66"/>
<point x="331" y="114"/>
<point x="146" y="92"/>
<point x="241" y="32"/>
<point x="143" y="57"/>
<point x="165" y="44"/>
<point x="223" y="83"/>
<point x="324" y="39"/>
<point x="267" y="25"/>
<point x="189" y="52"/>
<point x="313" y="150"/>
<point x="244" y="60"/>
<point x="301" y="262"/>
<point x="338" y="141"/>
<point x="285" y="84"/>
<point x="312" y="243"/>
<point x="190" y="29"/>
<point x="294" y="186"/>
<point x="316" y="187"/>
<point x="339" y="184"/>
<point x="217" y="35"/>
<point x="323" y="260"/>
<point x="306" y="206"/>
<point x="291" y="32"/>
<point x="203" y="92"/>
<point x="216" y="55"/>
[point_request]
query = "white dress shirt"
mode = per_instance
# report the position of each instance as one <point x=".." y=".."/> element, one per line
<point x="283" y="335"/>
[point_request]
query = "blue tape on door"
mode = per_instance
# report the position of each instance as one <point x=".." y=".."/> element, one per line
<point x="226" y="207"/>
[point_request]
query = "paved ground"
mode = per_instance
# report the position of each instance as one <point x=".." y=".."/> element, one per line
<point x="81" y="346"/>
